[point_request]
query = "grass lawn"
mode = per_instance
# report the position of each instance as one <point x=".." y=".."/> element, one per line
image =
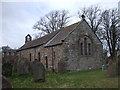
<point x="84" y="79"/>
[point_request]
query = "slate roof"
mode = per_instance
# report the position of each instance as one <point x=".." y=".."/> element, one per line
<point x="38" y="42"/>
<point x="63" y="33"/>
<point x="51" y="39"/>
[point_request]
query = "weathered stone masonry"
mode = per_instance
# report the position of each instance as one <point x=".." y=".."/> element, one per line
<point x="76" y="45"/>
<point x="76" y="61"/>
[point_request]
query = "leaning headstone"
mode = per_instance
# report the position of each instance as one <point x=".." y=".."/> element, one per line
<point x="6" y="83"/>
<point x="7" y="69"/>
<point x="38" y="71"/>
<point x="23" y="66"/>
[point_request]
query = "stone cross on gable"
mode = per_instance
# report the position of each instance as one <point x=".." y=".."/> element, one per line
<point x="83" y="16"/>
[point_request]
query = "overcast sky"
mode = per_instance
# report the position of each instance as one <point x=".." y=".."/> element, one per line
<point x="18" y="18"/>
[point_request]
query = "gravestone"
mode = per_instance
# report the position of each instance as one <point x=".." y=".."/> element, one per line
<point x="23" y="66"/>
<point x="103" y="67"/>
<point x="38" y="71"/>
<point x="7" y="66"/>
<point x="14" y="61"/>
<point x="7" y="69"/>
<point x="62" y="66"/>
<point x="6" y="83"/>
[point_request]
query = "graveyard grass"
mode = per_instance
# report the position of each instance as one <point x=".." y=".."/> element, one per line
<point x="84" y="79"/>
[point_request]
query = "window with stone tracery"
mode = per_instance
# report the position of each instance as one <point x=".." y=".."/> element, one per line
<point x="85" y="46"/>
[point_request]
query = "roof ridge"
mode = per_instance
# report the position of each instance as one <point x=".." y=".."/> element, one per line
<point x="47" y="38"/>
<point x="54" y="31"/>
<point x="52" y="38"/>
<point x="57" y="30"/>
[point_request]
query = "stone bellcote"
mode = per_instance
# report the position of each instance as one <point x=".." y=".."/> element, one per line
<point x="28" y="38"/>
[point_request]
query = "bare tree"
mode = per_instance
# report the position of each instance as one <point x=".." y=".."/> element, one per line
<point x="38" y="35"/>
<point x="111" y="29"/>
<point x="106" y="24"/>
<point x="52" y="21"/>
<point x="93" y="15"/>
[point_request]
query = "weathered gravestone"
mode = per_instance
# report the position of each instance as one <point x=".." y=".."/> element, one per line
<point x="14" y="62"/>
<point x="112" y="69"/>
<point x="7" y="69"/>
<point x="5" y="83"/>
<point x="38" y="71"/>
<point x="23" y="66"/>
<point x="7" y="66"/>
<point x="62" y="66"/>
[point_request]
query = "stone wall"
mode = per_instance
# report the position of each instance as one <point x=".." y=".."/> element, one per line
<point x="34" y="53"/>
<point x="76" y="61"/>
<point x="53" y="54"/>
<point x="26" y="54"/>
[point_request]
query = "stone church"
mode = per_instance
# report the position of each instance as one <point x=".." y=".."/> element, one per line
<point x="70" y="49"/>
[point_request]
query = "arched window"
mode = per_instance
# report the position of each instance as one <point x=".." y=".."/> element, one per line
<point x="81" y="48"/>
<point x="39" y="57"/>
<point x="85" y="46"/>
<point x="46" y="62"/>
<point x="89" y="49"/>
<point x="30" y="56"/>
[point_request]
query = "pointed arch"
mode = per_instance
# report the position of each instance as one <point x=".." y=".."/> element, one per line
<point x="85" y="45"/>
